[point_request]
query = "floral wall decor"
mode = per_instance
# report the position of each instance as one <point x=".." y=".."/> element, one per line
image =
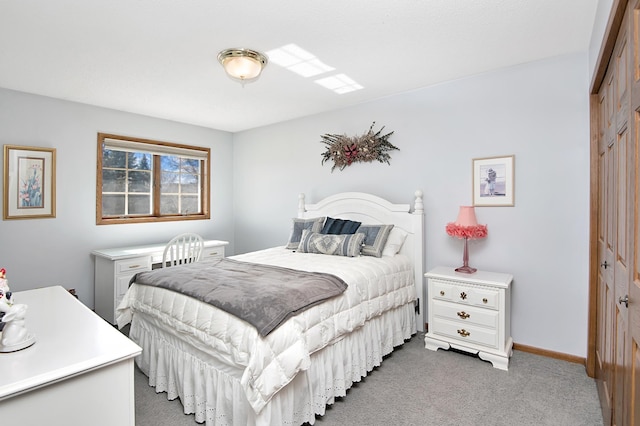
<point x="345" y="150"/>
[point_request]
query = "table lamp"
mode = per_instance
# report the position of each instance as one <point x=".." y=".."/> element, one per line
<point x="466" y="226"/>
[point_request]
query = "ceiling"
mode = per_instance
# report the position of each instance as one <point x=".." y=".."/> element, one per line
<point x="158" y="57"/>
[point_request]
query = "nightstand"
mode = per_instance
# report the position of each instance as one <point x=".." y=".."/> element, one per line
<point x="470" y="312"/>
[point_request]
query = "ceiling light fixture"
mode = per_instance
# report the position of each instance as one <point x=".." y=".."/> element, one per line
<point x="242" y="65"/>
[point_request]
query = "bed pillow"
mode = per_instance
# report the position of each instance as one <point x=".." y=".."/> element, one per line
<point x="333" y="244"/>
<point x="298" y="225"/>
<point x="339" y="226"/>
<point x="375" y="238"/>
<point x="394" y="242"/>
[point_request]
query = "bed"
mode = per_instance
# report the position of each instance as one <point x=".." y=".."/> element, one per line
<point x="225" y="372"/>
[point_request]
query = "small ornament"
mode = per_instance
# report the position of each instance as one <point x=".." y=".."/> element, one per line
<point x="14" y="335"/>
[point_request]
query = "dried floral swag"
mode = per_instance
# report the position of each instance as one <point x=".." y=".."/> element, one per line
<point x="344" y="150"/>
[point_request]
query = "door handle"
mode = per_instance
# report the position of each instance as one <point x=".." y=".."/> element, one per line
<point x="605" y="265"/>
<point x="624" y="300"/>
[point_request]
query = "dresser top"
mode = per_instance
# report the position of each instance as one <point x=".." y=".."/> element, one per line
<point x="70" y="340"/>
<point x="120" y="253"/>
<point x="479" y="277"/>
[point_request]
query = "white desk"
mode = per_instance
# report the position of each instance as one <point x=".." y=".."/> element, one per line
<point x="115" y="267"/>
<point x="212" y="249"/>
<point x="78" y="372"/>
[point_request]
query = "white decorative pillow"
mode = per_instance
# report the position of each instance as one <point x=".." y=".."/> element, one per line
<point x="376" y="238"/>
<point x="333" y="244"/>
<point x="298" y="225"/>
<point x="394" y="242"/>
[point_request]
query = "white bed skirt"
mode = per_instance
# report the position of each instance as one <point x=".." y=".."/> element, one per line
<point x="211" y="390"/>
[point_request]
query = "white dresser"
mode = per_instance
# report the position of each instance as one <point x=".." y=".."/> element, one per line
<point x="79" y="371"/>
<point x="470" y="312"/>
<point x="115" y="267"/>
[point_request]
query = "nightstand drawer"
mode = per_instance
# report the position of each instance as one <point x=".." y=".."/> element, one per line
<point x="467" y="294"/>
<point x="137" y="264"/>
<point x="466" y="314"/>
<point x="465" y="333"/>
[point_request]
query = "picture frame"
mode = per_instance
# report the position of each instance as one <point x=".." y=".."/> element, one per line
<point x="493" y="181"/>
<point x="29" y="182"/>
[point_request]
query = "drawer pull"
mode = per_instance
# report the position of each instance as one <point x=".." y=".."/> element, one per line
<point x="463" y="295"/>
<point x="133" y="266"/>
<point x="441" y="292"/>
<point x="463" y="315"/>
<point x="464" y="333"/>
<point x="213" y="253"/>
<point x="484" y="300"/>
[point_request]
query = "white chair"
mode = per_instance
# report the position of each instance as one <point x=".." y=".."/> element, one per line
<point x="183" y="249"/>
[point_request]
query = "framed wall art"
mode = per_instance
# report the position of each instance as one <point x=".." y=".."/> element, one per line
<point x="493" y="181"/>
<point x="29" y="182"/>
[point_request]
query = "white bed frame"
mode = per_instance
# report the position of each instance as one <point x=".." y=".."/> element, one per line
<point x="333" y="369"/>
<point x="373" y="210"/>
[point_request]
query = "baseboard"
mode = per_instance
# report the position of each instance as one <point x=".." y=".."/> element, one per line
<point x="550" y="354"/>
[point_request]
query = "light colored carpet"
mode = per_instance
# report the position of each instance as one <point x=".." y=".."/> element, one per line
<point x="416" y="386"/>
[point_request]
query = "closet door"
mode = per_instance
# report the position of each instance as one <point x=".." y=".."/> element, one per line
<point x="631" y="299"/>
<point x="618" y="219"/>
<point x="605" y="344"/>
<point x="616" y="353"/>
<point x="620" y="103"/>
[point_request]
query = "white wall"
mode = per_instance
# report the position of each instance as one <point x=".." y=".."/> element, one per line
<point x="43" y="252"/>
<point x="537" y="111"/>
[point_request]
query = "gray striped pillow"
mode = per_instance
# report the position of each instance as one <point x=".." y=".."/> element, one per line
<point x="314" y="224"/>
<point x="376" y="238"/>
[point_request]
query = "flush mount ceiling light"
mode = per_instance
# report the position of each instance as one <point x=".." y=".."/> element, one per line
<point x="242" y="65"/>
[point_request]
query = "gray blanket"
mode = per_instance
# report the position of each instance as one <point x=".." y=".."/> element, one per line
<point x="262" y="295"/>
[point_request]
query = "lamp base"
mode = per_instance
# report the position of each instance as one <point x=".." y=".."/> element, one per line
<point x="466" y="269"/>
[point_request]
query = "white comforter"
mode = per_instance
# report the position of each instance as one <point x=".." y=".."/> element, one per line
<point x="268" y="364"/>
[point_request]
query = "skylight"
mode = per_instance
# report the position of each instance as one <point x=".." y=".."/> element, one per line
<point x="297" y="60"/>
<point x="339" y="83"/>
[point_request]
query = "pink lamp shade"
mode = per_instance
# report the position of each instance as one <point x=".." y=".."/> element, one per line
<point x="467" y="216"/>
<point x="466" y="225"/>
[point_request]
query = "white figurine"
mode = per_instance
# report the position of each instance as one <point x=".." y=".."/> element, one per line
<point x="14" y="335"/>
<point x="4" y="288"/>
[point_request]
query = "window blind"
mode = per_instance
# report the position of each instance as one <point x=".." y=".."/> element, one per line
<point x="155" y="148"/>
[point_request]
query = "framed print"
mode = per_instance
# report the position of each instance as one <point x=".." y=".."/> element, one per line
<point x="493" y="181"/>
<point x="29" y="182"/>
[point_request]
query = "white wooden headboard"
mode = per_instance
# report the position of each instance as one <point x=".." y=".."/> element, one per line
<point x="371" y="209"/>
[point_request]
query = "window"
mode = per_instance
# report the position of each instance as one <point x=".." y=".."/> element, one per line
<point x="141" y="180"/>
